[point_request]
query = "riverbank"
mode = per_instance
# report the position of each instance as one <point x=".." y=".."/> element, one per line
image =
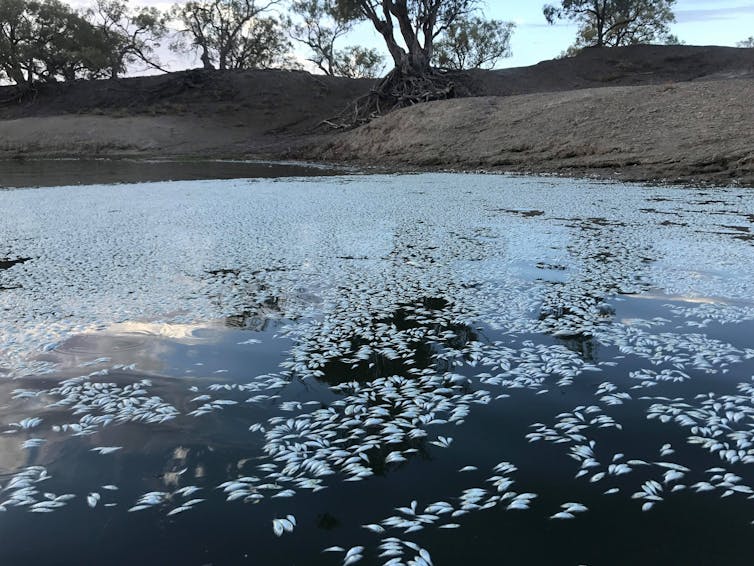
<point x="646" y="113"/>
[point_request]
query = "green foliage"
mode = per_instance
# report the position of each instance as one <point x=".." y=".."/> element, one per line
<point x="46" y="40"/>
<point x="320" y="24"/>
<point x="612" y="23"/>
<point x="264" y="45"/>
<point x="473" y="43"/>
<point x="359" y="63"/>
<point x="129" y="35"/>
<point x="419" y="22"/>
<point x="232" y="34"/>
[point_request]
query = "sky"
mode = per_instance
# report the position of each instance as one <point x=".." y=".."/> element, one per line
<point x="699" y="22"/>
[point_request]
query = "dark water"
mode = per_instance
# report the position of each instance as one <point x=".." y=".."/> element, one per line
<point x="687" y="528"/>
<point x="58" y="172"/>
<point x="647" y="372"/>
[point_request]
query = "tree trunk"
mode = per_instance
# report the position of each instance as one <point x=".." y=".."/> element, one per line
<point x="601" y="13"/>
<point x="413" y="64"/>
<point x="17" y="76"/>
<point x="206" y="61"/>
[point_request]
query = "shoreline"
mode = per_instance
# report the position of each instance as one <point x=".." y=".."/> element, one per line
<point x="652" y="114"/>
<point x="328" y="168"/>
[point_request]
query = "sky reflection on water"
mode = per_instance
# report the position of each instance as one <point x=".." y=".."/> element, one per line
<point x="379" y="323"/>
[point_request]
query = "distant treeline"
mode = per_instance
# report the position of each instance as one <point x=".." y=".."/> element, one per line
<point x="47" y="40"/>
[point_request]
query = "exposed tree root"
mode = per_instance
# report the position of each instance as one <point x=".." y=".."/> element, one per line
<point x="397" y="90"/>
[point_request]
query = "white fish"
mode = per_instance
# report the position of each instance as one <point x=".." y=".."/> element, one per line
<point x="574" y="507"/>
<point x="374" y="528"/>
<point x="92" y="499"/>
<point x="106" y="449"/>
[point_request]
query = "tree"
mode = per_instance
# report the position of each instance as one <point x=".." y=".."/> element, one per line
<point x="410" y="29"/>
<point x="746" y="43"/>
<point x="358" y="62"/>
<point x="231" y="33"/>
<point x="63" y="44"/>
<point x="129" y="35"/>
<point x="612" y="23"/>
<point x="321" y="25"/>
<point x="420" y="23"/>
<point x="15" y="39"/>
<point x="46" y="40"/>
<point x="265" y="45"/>
<point x="474" y="43"/>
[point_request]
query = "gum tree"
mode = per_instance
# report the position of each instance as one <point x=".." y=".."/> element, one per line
<point x="409" y="27"/>
<point x="613" y="23"/>
<point x="474" y="43"/>
<point x="45" y="40"/>
<point x="130" y="34"/>
<point x="411" y="30"/>
<point x="230" y="33"/>
<point x="319" y="25"/>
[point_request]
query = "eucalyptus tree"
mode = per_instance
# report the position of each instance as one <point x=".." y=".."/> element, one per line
<point x="130" y="35"/>
<point x="357" y="62"/>
<point x="473" y="43"/>
<point x="45" y="40"/>
<point x="319" y="24"/>
<point x="411" y="31"/>
<point x="16" y="40"/>
<point x="231" y="33"/>
<point x="409" y="28"/>
<point x="612" y="23"/>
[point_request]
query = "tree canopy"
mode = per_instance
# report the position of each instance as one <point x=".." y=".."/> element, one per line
<point x="319" y="26"/>
<point x="473" y="43"/>
<point x="418" y="23"/>
<point x="231" y="34"/>
<point x="612" y="23"/>
<point x="129" y="35"/>
<point x="46" y="40"/>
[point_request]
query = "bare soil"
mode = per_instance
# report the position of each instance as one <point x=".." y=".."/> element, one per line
<point x="641" y="113"/>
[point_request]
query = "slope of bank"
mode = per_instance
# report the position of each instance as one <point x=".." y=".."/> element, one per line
<point x="688" y="132"/>
<point x="679" y="113"/>
<point x="204" y="113"/>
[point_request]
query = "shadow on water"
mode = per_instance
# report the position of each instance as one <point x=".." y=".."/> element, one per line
<point x="60" y="172"/>
<point x="421" y="353"/>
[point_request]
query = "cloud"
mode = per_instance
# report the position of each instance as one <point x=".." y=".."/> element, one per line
<point x="706" y="14"/>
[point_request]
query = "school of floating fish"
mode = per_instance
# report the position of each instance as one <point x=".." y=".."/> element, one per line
<point x="390" y="281"/>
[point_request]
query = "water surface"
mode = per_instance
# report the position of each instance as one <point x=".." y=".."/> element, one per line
<point x="419" y="365"/>
<point x="59" y="172"/>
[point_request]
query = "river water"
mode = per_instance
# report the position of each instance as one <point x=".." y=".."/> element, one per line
<point x="433" y="368"/>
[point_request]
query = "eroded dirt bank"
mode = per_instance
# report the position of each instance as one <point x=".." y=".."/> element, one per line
<point x="690" y="132"/>
<point x="642" y="113"/>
